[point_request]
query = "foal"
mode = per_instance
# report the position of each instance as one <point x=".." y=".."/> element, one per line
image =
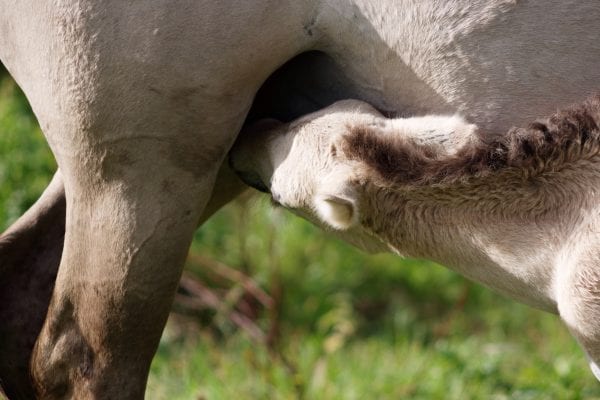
<point x="519" y="213"/>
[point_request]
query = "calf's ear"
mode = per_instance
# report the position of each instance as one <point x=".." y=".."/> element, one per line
<point x="336" y="200"/>
<point x="340" y="212"/>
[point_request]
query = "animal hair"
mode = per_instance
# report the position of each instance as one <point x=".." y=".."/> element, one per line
<point x="547" y="145"/>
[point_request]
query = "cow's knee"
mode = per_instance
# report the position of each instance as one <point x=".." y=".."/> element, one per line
<point x="579" y="307"/>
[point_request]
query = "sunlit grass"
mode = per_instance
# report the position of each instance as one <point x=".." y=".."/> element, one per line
<point x="435" y="335"/>
<point x="26" y="164"/>
<point x="374" y="367"/>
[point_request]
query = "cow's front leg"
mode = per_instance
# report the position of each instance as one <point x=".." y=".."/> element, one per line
<point x="130" y="217"/>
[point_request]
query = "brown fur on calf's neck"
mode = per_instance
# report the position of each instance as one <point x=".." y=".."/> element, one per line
<point x="546" y="145"/>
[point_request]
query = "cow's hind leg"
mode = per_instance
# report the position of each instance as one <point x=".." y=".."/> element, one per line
<point x="30" y="252"/>
<point x="579" y="306"/>
<point x="130" y="218"/>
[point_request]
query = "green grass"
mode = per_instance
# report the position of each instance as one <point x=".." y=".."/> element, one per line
<point x="352" y="326"/>
<point x="26" y="165"/>
<point x="358" y="326"/>
<point x="368" y="368"/>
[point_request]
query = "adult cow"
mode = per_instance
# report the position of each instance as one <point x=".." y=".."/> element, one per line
<point x="140" y="102"/>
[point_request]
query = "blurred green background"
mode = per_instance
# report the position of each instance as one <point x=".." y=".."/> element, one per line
<point x="272" y="308"/>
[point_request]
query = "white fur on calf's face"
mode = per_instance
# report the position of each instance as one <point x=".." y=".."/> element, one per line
<point x="296" y="163"/>
<point x="299" y="165"/>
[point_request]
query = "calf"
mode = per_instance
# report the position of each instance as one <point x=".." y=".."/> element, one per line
<point x="519" y="213"/>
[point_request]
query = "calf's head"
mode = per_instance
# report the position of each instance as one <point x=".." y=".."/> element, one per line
<point x="315" y="167"/>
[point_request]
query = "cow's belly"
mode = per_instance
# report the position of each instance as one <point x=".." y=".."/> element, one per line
<point x="495" y="62"/>
<point x="500" y="63"/>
